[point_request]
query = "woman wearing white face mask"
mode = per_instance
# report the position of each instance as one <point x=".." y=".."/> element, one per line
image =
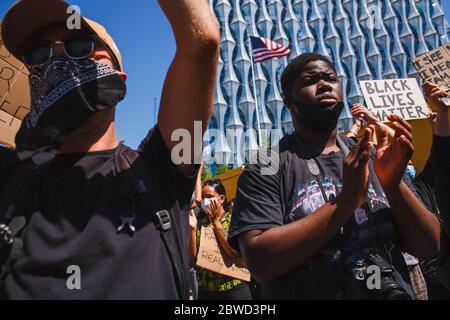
<point x="214" y="286"/>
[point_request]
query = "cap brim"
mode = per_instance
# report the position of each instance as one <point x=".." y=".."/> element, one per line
<point x="25" y="17"/>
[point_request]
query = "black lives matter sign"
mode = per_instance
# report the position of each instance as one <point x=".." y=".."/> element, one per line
<point x="14" y="95"/>
<point x="395" y="96"/>
<point x="434" y="66"/>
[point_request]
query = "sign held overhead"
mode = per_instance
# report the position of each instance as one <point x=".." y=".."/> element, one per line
<point x="434" y="66"/>
<point x="395" y="96"/>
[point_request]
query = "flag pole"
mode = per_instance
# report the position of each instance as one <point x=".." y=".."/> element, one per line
<point x="254" y="93"/>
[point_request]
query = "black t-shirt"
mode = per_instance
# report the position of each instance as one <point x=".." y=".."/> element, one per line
<point x="268" y="201"/>
<point x="441" y="170"/>
<point x="432" y="184"/>
<point x="74" y="222"/>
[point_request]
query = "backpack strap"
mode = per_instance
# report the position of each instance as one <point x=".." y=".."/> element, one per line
<point x="344" y="147"/>
<point x="131" y="168"/>
<point x="14" y="197"/>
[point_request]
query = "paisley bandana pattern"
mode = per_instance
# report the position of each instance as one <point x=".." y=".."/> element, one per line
<point x="64" y="94"/>
<point x="51" y="82"/>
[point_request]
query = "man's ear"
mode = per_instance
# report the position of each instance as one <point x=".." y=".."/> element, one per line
<point x="123" y="75"/>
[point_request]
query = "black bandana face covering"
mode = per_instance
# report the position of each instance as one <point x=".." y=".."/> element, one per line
<point x="64" y="93"/>
<point x="318" y="117"/>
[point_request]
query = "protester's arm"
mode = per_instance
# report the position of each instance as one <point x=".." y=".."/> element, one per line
<point x="440" y="155"/>
<point x="222" y="237"/>
<point x="189" y="86"/>
<point x="418" y="228"/>
<point x="192" y="218"/>
<point x="441" y="174"/>
<point x="276" y="251"/>
<point x="440" y="123"/>
<point x="193" y="236"/>
<point x="198" y="185"/>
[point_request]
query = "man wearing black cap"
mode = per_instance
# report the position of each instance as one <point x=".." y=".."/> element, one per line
<point x="333" y="211"/>
<point x="99" y="220"/>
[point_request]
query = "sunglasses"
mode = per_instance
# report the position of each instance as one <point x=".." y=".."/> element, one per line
<point x="75" y="47"/>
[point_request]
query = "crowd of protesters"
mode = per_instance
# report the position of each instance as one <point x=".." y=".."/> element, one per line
<point x="341" y="202"/>
<point x="130" y="221"/>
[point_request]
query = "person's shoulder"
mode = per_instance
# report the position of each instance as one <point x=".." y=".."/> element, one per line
<point x="270" y="161"/>
<point x="287" y="143"/>
<point x="152" y="141"/>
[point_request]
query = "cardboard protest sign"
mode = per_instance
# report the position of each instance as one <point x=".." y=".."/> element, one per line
<point x="210" y="257"/>
<point x="399" y="96"/>
<point x="434" y="66"/>
<point x="14" y="95"/>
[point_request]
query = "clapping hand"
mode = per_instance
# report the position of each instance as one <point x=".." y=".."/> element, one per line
<point x="392" y="157"/>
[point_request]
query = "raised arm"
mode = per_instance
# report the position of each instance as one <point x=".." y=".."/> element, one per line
<point x="440" y="156"/>
<point x="440" y="123"/>
<point x="189" y="86"/>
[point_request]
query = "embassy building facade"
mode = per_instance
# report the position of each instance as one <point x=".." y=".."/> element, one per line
<point x="365" y="39"/>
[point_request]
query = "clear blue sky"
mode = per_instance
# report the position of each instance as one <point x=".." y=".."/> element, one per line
<point x="147" y="45"/>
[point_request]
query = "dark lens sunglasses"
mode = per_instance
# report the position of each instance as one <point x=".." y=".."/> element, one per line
<point x="75" y="47"/>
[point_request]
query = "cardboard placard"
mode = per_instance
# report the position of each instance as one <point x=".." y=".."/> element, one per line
<point x="434" y="66"/>
<point x="14" y="95"/>
<point x="399" y="96"/>
<point x="210" y="257"/>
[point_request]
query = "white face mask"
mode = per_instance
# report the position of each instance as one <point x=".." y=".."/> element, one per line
<point x="206" y="204"/>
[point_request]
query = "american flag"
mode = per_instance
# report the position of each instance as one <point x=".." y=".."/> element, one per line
<point x="263" y="49"/>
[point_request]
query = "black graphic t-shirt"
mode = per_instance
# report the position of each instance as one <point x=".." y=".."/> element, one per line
<point x="292" y="193"/>
<point x="77" y="211"/>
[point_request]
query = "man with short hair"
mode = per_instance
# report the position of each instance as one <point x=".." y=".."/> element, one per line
<point x="91" y="212"/>
<point x="333" y="209"/>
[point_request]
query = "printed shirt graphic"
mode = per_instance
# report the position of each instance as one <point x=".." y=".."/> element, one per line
<point x="212" y="281"/>
<point x="268" y="201"/>
<point x="357" y="235"/>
